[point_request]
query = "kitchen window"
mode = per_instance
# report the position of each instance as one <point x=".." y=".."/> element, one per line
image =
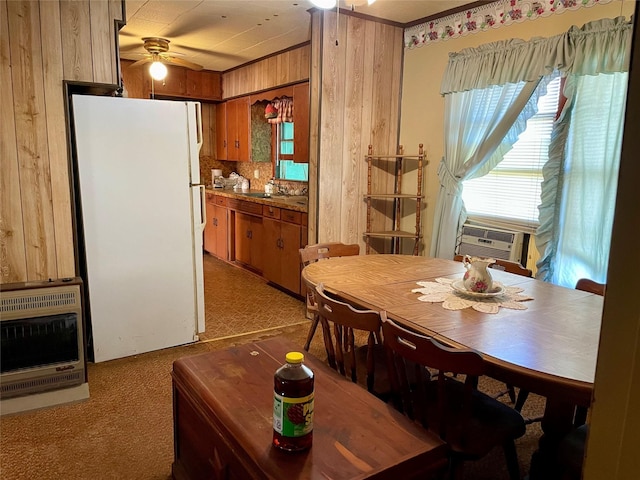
<point x="286" y="168"/>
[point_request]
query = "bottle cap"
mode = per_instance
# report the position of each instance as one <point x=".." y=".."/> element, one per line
<point x="294" y="357"/>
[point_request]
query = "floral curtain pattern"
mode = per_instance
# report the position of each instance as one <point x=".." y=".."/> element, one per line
<point x="493" y="15"/>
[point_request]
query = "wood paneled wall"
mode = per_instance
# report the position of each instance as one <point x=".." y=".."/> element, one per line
<point x="355" y="101"/>
<point x="42" y="44"/>
<point x="287" y="67"/>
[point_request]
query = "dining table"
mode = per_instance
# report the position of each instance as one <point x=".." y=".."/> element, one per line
<point x="538" y="336"/>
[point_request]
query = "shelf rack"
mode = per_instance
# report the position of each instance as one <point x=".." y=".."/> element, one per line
<point x="396" y="197"/>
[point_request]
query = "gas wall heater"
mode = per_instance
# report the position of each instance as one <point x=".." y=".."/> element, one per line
<point x="480" y="241"/>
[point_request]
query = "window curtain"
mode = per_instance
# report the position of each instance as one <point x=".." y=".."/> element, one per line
<point x="580" y="180"/>
<point x="480" y="126"/>
<point x="284" y="106"/>
<point x="501" y="63"/>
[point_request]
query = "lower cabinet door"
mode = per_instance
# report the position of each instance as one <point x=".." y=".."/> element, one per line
<point x="271" y="265"/>
<point x="210" y="228"/>
<point x="221" y="232"/>
<point x="281" y="253"/>
<point x="248" y="235"/>
<point x="290" y="256"/>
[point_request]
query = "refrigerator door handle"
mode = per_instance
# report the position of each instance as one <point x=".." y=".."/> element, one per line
<point x="199" y="124"/>
<point x="203" y="215"/>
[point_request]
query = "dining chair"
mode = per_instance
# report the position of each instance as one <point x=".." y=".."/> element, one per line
<point x="570" y="455"/>
<point x="313" y="253"/>
<point x="504" y="265"/>
<point x="588" y="285"/>
<point x="353" y="359"/>
<point x="469" y="421"/>
<point x="517" y="268"/>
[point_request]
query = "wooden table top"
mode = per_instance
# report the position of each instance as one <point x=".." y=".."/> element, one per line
<point x="550" y="348"/>
<point x="355" y="434"/>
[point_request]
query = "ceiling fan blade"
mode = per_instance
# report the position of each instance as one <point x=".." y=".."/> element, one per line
<point x="181" y="62"/>
<point x="140" y="62"/>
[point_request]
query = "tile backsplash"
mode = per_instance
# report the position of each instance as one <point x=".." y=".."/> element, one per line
<point x="247" y="170"/>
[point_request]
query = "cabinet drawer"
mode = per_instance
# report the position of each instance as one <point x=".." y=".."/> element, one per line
<point x="222" y="201"/>
<point x="291" y="216"/>
<point x="209" y="197"/>
<point x="271" y="212"/>
<point x="246" y="207"/>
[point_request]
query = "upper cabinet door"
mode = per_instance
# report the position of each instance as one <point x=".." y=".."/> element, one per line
<point x="238" y="130"/>
<point x="301" y="122"/>
<point x="222" y="143"/>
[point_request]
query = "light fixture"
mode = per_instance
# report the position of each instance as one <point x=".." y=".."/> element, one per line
<point x="157" y="70"/>
<point x="324" y="3"/>
<point x="328" y="4"/>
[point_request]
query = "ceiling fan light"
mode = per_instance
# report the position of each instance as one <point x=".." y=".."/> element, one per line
<point x="324" y="3"/>
<point x="158" y="71"/>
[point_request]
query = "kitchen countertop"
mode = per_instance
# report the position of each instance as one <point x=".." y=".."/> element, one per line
<point x="297" y="203"/>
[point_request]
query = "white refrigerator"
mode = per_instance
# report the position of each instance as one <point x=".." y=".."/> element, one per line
<point x="141" y="222"/>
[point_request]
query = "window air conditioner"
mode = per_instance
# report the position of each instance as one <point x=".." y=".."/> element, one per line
<point x="482" y="241"/>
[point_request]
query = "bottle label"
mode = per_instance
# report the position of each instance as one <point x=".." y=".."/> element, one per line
<point x="292" y="417"/>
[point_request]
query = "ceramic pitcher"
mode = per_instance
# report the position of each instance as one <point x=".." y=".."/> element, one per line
<point x="477" y="277"/>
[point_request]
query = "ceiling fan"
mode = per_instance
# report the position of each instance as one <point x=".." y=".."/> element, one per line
<point x="158" y="54"/>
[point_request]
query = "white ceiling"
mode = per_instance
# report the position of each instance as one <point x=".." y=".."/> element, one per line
<point x="220" y="35"/>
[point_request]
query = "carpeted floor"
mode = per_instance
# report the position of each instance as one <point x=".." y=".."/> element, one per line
<point x="124" y="430"/>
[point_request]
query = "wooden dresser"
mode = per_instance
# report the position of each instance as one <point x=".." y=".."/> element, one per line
<point x="223" y="423"/>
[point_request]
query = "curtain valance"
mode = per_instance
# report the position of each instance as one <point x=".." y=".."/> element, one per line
<point x="601" y="46"/>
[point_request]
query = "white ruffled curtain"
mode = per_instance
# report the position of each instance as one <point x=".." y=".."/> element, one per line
<point x="481" y="126"/>
<point x="581" y="179"/>
<point x="602" y="45"/>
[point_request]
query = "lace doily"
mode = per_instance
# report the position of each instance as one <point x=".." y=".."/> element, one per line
<point x="442" y="291"/>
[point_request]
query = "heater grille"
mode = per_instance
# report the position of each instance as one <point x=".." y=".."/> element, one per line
<point x="33" y="385"/>
<point x="38" y="301"/>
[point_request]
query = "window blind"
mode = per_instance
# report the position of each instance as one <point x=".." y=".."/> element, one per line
<point x="511" y="191"/>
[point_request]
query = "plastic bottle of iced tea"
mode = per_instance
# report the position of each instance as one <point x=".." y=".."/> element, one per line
<point x="293" y="405"/>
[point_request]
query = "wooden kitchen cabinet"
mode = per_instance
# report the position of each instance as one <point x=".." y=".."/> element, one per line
<point x="216" y="231"/>
<point x="180" y="82"/>
<point x="221" y="132"/>
<point x="248" y="240"/>
<point x="238" y="121"/>
<point x="174" y="84"/>
<point x="282" y="241"/>
<point x="301" y="123"/>
<point x="203" y="84"/>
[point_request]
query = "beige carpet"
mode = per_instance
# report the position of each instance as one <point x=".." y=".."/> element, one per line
<point x="124" y="430"/>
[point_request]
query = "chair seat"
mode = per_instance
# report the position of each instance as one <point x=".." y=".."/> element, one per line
<point x="491" y="423"/>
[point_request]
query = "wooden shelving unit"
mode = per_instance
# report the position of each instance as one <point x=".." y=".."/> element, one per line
<point x="396" y="197"/>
